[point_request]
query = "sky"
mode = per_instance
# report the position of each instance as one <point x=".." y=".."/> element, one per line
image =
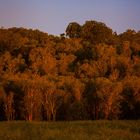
<point x="53" y="16"/>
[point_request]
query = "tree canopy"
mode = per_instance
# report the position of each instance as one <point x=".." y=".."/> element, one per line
<point x="91" y="73"/>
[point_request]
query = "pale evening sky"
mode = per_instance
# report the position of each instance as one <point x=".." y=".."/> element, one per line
<point x="53" y="16"/>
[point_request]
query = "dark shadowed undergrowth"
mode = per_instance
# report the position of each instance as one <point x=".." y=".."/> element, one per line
<point x="76" y="130"/>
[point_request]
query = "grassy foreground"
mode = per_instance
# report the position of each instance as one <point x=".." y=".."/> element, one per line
<point x="76" y="130"/>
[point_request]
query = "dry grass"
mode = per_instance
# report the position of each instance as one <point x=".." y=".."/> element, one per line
<point x="76" y="130"/>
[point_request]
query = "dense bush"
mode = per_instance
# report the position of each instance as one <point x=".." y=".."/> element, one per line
<point x="93" y="73"/>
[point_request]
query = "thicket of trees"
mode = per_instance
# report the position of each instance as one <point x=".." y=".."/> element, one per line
<point x="89" y="72"/>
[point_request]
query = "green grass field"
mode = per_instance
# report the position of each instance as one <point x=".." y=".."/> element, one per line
<point x="76" y="130"/>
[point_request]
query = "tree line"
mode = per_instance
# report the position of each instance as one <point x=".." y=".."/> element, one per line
<point x="87" y="73"/>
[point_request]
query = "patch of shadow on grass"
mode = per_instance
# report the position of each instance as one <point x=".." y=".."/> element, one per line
<point x="135" y="130"/>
